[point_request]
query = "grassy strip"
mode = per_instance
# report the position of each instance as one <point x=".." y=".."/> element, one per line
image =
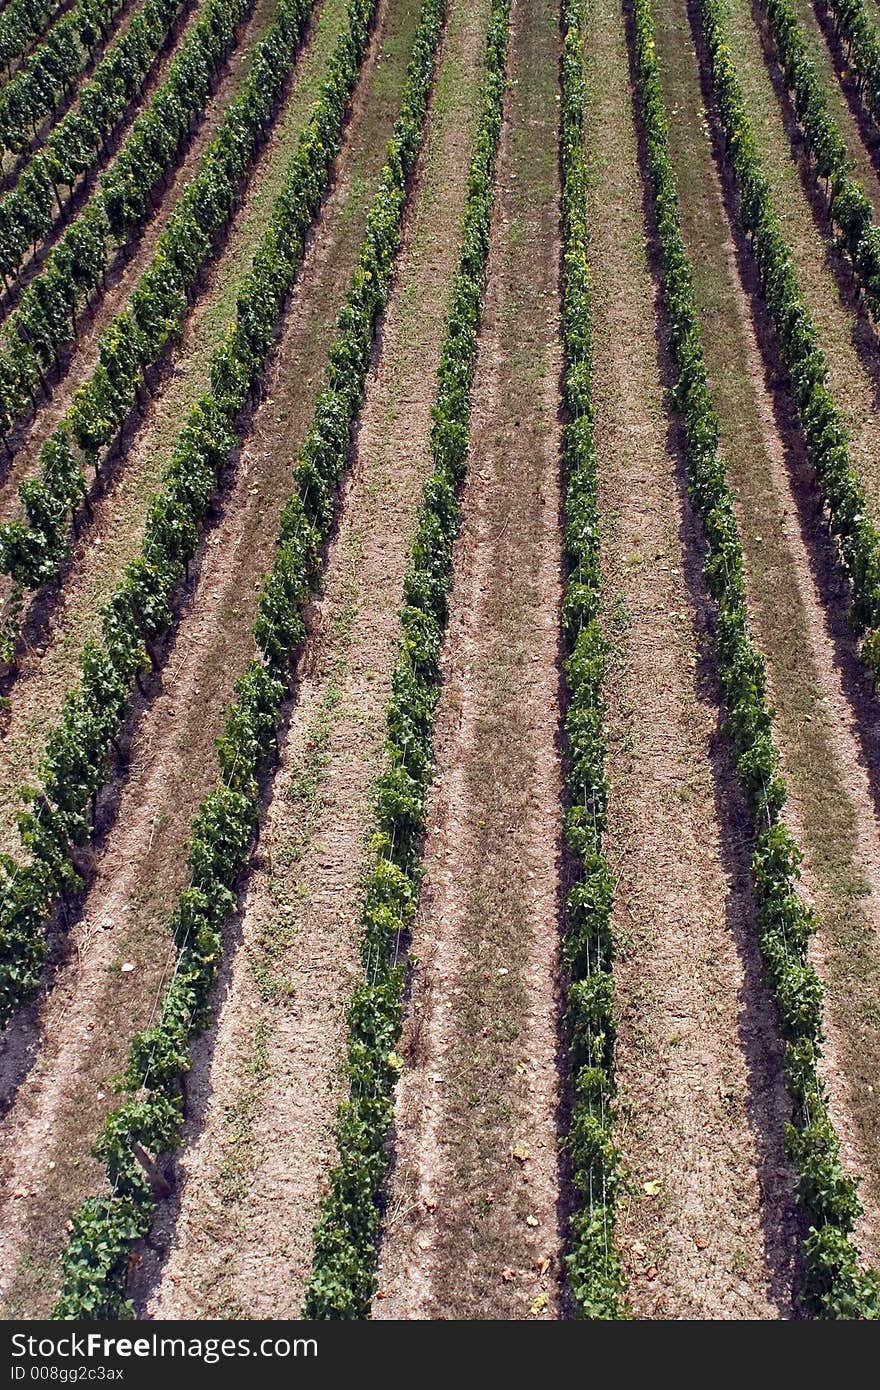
<point x="50" y="72"/>
<point x="27" y="213"/>
<point x="150" y="1117"/>
<point x="595" y="1277"/>
<point x="343" y="1277"/>
<point x="848" y="205"/>
<point x="31" y="551"/>
<point x="836" y="1287"/>
<point x="45" y="320"/>
<point x="76" y="763"/>
<point x="858" y="540"/>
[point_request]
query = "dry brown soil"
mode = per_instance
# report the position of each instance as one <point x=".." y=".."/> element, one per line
<point x="474" y="1225"/>
<point x="141" y="867"/>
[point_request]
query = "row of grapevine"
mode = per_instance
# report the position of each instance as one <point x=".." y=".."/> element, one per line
<point x="32" y="550"/>
<point x="595" y="1278"/>
<point x="848" y="205"/>
<point x="835" y="1285"/>
<point x="50" y="73"/>
<point x="343" y="1275"/>
<point x="45" y="321"/>
<point x="855" y="24"/>
<point x="150" y="1115"/>
<point x="75" y="763"/>
<point x="858" y="541"/>
<point x="21" y="23"/>
<point x="27" y="212"/>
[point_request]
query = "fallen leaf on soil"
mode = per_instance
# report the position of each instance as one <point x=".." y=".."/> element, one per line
<point x="539" y="1305"/>
<point x="521" y="1153"/>
<point x="639" y="1250"/>
<point x="424" y="1245"/>
<point x="532" y="1221"/>
<point x="652" y="1272"/>
<point x="19" y="1192"/>
<point x="701" y="1242"/>
<point x="652" y="1186"/>
<point x="543" y="1265"/>
<point x="508" y="1274"/>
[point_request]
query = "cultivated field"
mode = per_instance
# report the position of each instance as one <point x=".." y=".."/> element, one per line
<point x="439" y="650"/>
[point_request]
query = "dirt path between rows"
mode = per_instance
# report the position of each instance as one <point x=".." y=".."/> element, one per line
<point x="823" y="719"/>
<point x="472" y="1231"/>
<point x="703" y="1226"/>
<point x="76" y="1041"/>
<point x="114" y="538"/>
<point x="267" y="1078"/>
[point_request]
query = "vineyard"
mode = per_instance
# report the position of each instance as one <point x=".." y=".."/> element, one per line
<point x="439" y="659"/>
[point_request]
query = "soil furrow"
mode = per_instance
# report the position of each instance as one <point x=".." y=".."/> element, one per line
<point x="114" y="537"/>
<point x="701" y="1104"/>
<point x="820" y="709"/>
<point x="267" y="1082"/>
<point x="68" y="1044"/>
<point x="473" y="1230"/>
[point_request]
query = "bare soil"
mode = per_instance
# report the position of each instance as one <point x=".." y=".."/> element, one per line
<point x="473" y="1228"/>
<point x="71" y="616"/>
<point x="61" y="1056"/>
<point x="825" y="717"/>
<point x="705" y="1225"/>
<point x="267" y="1078"/>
